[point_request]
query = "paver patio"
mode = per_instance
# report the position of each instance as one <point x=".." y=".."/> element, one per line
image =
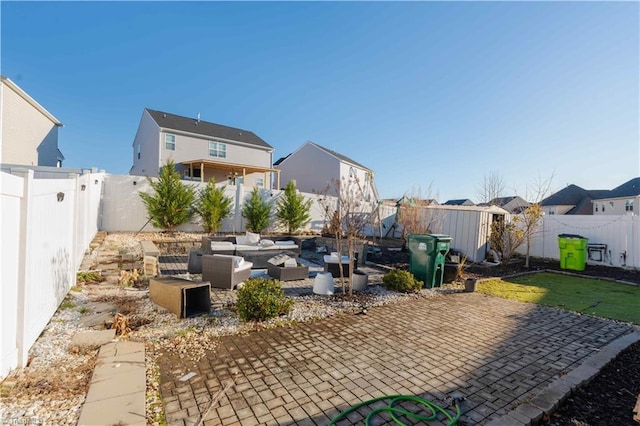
<point x="495" y="352"/>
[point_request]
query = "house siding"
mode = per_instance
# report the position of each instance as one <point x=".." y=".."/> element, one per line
<point x="28" y="136"/>
<point x="147" y="138"/>
<point x="615" y="206"/>
<point x="311" y="168"/>
<point x="190" y="147"/>
<point x="559" y="210"/>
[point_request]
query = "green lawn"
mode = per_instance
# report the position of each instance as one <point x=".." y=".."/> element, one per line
<point x="590" y="296"/>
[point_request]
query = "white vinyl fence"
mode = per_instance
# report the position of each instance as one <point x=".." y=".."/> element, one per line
<point x="123" y="209"/>
<point x="47" y="224"/>
<point x="620" y="233"/>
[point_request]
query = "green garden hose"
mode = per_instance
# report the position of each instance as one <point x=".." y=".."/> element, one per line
<point x="395" y="411"/>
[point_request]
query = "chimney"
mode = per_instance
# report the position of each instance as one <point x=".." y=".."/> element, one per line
<point x="198" y="120"/>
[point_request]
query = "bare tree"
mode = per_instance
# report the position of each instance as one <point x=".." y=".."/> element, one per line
<point x="346" y="215"/>
<point x="508" y="237"/>
<point x="415" y="214"/>
<point x="491" y="187"/>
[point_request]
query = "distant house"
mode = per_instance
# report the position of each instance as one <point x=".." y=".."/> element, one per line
<point x="460" y="202"/>
<point x="29" y="133"/>
<point x="313" y="167"/>
<point x="623" y="199"/>
<point x="201" y="150"/>
<point x="571" y="200"/>
<point x="514" y="204"/>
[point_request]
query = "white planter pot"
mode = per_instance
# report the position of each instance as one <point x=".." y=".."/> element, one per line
<point x="360" y="280"/>
<point x="323" y="284"/>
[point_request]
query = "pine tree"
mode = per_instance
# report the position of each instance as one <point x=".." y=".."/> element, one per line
<point x="170" y="205"/>
<point x="257" y="212"/>
<point x="212" y="206"/>
<point x="292" y="210"/>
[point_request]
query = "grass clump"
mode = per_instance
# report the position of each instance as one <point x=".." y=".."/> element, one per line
<point x="261" y="299"/>
<point x="87" y="276"/>
<point x="401" y="281"/>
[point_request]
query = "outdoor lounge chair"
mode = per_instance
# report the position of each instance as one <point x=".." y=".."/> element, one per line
<point x="224" y="271"/>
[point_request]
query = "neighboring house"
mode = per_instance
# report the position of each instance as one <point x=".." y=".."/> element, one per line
<point x="514" y="204"/>
<point x="314" y="168"/>
<point x="29" y="133"/>
<point x="624" y="199"/>
<point x="201" y="150"/>
<point x="460" y="202"/>
<point x="571" y="200"/>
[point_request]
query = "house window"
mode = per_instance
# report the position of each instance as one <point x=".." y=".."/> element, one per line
<point x="170" y="142"/>
<point x="596" y="207"/>
<point x="628" y="206"/>
<point x="196" y="174"/>
<point x="260" y="182"/>
<point x="217" y="149"/>
<point x="138" y="151"/>
<point x="603" y="207"/>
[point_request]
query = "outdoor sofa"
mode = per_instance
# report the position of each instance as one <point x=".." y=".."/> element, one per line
<point x="251" y="247"/>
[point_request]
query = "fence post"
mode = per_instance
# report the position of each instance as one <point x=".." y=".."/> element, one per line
<point x="23" y="270"/>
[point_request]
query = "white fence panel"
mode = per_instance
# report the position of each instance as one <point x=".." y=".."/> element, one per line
<point x="50" y="268"/>
<point x="123" y="209"/>
<point x="47" y="224"/>
<point x="11" y="193"/>
<point x="621" y="234"/>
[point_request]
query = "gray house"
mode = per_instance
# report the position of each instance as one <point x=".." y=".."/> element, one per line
<point x="314" y="167"/>
<point x="29" y="133"/>
<point x="620" y="200"/>
<point x="571" y="200"/>
<point x="202" y="151"/>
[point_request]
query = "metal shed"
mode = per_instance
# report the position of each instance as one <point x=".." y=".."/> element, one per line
<point x="468" y="226"/>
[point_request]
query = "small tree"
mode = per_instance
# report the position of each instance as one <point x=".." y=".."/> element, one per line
<point x="292" y="210"/>
<point x="508" y="237"/>
<point x="415" y="214"/>
<point x="256" y="211"/>
<point x="170" y="205"/>
<point x="348" y="215"/>
<point x="213" y="206"/>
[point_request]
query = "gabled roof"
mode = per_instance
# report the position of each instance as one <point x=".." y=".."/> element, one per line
<point x="572" y="195"/>
<point x="459" y="202"/>
<point x="627" y="189"/>
<point x="339" y="156"/>
<point x="280" y="160"/>
<point x="569" y="196"/>
<point x="582" y="207"/>
<point x="514" y="204"/>
<point x="205" y="128"/>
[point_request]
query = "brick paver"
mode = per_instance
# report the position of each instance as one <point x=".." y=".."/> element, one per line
<point x="497" y="353"/>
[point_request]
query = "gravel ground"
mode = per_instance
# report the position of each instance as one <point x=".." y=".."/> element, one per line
<point x="52" y="388"/>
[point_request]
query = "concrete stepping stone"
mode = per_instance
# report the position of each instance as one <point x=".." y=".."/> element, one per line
<point x="100" y="313"/>
<point x="86" y="339"/>
<point x="116" y="394"/>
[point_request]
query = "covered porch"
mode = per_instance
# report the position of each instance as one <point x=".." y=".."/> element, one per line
<point x="204" y="170"/>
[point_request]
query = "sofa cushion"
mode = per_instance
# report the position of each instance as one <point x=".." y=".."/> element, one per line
<point x="222" y="245"/>
<point x="267" y="243"/>
<point x="252" y="239"/>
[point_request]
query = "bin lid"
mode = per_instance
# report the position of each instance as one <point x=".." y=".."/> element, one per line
<point x="571" y="236"/>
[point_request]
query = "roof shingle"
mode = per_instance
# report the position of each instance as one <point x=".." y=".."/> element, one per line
<point x="205" y="128"/>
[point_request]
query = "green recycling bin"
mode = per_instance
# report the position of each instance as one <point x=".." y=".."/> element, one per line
<point x="573" y="251"/>
<point x="427" y="257"/>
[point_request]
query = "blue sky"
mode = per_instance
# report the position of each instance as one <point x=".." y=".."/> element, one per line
<point x="425" y="94"/>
